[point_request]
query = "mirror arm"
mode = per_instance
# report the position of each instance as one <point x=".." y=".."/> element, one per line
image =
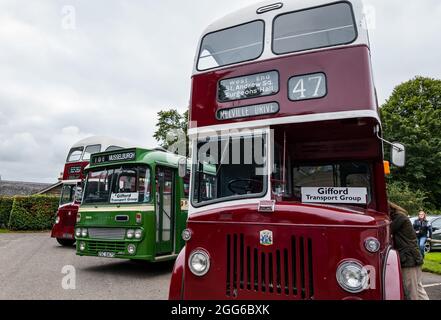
<point x="388" y="142"/>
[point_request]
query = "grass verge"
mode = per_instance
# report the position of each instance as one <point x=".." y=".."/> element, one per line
<point x="432" y="263"/>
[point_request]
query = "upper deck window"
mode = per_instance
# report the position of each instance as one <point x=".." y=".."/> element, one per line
<point x="75" y="154"/>
<point x="91" y="150"/>
<point x="319" y="27"/>
<point x="233" y="45"/>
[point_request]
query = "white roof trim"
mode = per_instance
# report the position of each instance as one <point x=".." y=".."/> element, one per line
<point x="285" y="120"/>
<point x="105" y="142"/>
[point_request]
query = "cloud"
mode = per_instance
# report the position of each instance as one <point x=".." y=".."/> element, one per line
<point x="127" y="60"/>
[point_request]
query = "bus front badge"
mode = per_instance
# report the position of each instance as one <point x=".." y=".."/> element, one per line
<point x="267" y="206"/>
<point x="266" y="238"/>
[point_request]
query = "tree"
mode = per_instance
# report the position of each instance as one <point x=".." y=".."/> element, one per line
<point x="412" y="115"/>
<point x="402" y="194"/>
<point x="171" y="133"/>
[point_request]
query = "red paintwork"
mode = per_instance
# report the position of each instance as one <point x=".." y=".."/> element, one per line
<point x="68" y="213"/>
<point x="336" y="234"/>
<point x="348" y="75"/>
<point x="392" y="277"/>
<point x="175" y="292"/>
<point x="68" y="218"/>
<point x="67" y="175"/>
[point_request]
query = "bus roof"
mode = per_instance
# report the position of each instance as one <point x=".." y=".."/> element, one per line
<point x="249" y="14"/>
<point x="104" y="141"/>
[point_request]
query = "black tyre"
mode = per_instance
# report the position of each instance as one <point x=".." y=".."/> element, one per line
<point x="66" y="242"/>
<point x="428" y="247"/>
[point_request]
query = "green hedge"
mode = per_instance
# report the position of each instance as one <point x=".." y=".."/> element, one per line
<point x="33" y="213"/>
<point x="5" y="210"/>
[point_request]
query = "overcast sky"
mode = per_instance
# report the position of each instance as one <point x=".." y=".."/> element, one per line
<point x="127" y="60"/>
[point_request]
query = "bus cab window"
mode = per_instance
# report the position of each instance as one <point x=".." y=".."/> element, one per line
<point x="344" y="175"/>
<point x="98" y="186"/>
<point x="67" y="194"/>
<point x="186" y="182"/>
<point x="144" y="185"/>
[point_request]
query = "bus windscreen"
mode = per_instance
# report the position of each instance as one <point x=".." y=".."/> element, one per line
<point x="118" y="186"/>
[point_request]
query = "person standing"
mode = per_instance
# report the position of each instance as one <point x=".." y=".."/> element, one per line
<point x="423" y="231"/>
<point x="405" y="242"/>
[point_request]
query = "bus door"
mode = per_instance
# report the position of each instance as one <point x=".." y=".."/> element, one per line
<point x="165" y="210"/>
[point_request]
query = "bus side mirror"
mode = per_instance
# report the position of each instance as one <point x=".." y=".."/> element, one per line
<point x="399" y="155"/>
<point x="182" y="168"/>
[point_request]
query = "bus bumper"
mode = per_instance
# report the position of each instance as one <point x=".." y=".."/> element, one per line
<point x="63" y="232"/>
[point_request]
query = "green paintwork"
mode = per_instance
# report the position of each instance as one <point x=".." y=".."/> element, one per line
<point x="103" y="215"/>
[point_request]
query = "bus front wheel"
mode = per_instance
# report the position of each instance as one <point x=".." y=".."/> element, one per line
<point x="66" y="242"/>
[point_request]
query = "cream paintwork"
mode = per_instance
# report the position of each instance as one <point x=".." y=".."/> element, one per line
<point x="116" y="209"/>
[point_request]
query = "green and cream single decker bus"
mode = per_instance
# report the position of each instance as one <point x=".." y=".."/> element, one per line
<point x="134" y="205"/>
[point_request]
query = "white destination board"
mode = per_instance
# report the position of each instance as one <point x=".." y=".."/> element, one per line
<point x="124" y="197"/>
<point x="335" y="195"/>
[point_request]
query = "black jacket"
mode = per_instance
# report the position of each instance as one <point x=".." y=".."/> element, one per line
<point x="405" y="241"/>
<point x="422" y="228"/>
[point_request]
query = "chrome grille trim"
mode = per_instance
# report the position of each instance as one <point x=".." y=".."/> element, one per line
<point x="107" y="233"/>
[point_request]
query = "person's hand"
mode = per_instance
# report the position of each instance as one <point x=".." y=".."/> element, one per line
<point x="429" y="239"/>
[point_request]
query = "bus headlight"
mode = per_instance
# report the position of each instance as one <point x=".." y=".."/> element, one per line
<point x="84" y="233"/>
<point x="130" y="234"/>
<point x="57" y="220"/>
<point x="372" y="245"/>
<point x="352" y="277"/>
<point x="138" y="234"/>
<point x="82" y="246"/>
<point x="78" y="232"/>
<point x="199" y="263"/>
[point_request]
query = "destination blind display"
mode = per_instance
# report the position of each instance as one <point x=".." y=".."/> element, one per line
<point x="335" y="195"/>
<point x="114" y="157"/>
<point x="248" y="111"/>
<point x="252" y="86"/>
<point x="75" y="170"/>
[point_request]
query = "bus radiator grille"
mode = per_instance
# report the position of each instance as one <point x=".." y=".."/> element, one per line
<point x="107" y="233"/>
<point x="286" y="271"/>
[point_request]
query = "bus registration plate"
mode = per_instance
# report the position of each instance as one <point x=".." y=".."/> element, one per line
<point x="106" y="254"/>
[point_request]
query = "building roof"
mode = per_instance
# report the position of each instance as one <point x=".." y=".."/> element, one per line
<point x="20" y="188"/>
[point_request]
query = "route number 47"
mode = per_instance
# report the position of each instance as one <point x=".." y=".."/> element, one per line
<point x="312" y="86"/>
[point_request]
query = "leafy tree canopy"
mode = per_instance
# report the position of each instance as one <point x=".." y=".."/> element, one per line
<point x="412" y="115"/>
<point x="171" y="131"/>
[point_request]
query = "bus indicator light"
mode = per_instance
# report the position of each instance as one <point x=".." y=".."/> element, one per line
<point x="387" y="168"/>
<point x="138" y="218"/>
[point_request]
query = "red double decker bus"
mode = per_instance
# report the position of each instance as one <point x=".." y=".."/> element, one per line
<point x="73" y="175"/>
<point x="284" y="113"/>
